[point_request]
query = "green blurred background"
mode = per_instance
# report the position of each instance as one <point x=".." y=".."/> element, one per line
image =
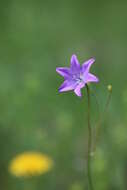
<point x="35" y="38"/>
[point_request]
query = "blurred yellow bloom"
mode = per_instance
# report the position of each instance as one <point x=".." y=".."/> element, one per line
<point x="30" y="164"/>
<point x="109" y="87"/>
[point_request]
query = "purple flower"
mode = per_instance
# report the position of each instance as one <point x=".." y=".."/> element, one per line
<point x="77" y="76"/>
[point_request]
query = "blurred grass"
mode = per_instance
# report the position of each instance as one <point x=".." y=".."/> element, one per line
<point x="35" y="37"/>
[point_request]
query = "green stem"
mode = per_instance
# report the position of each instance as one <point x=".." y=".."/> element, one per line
<point x="89" y="143"/>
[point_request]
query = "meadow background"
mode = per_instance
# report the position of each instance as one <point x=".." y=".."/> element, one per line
<point x="35" y="38"/>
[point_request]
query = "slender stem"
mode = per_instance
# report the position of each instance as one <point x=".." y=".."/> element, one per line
<point x="89" y="143"/>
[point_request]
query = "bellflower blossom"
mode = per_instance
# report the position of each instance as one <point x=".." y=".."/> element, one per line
<point x="77" y="76"/>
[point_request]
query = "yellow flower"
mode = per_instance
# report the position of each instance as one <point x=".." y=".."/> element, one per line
<point x="30" y="164"/>
<point x="109" y="87"/>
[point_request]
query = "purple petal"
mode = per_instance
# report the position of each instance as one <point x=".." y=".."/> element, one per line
<point x="67" y="85"/>
<point x="91" y="78"/>
<point x="78" y="89"/>
<point x="63" y="71"/>
<point x="75" y="65"/>
<point x="86" y="66"/>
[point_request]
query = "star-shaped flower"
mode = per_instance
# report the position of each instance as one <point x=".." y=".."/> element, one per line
<point x="77" y="76"/>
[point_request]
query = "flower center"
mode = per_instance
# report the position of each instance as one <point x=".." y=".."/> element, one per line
<point x="78" y="78"/>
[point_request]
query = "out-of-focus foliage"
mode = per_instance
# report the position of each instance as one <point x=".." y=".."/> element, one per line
<point x="35" y="37"/>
